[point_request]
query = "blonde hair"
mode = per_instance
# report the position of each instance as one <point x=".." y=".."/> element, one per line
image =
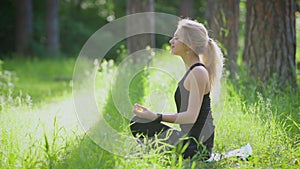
<point x="196" y="37"/>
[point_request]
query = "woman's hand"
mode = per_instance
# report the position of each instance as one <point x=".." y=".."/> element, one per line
<point x="143" y="112"/>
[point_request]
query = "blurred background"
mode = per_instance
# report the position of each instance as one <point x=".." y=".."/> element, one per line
<point x="40" y="41"/>
<point x="247" y="31"/>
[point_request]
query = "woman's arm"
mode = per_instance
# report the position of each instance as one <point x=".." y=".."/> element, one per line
<point x="198" y="84"/>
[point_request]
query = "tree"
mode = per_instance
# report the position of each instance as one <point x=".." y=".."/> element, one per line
<point x="186" y="8"/>
<point x="24" y="27"/>
<point x="7" y="27"/>
<point x="139" y="42"/>
<point x="270" y="40"/>
<point x="223" y="19"/>
<point x="52" y="28"/>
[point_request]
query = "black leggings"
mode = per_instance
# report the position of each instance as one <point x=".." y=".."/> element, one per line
<point x="145" y="128"/>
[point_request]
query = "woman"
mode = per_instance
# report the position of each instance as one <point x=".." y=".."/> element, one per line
<point x="204" y="61"/>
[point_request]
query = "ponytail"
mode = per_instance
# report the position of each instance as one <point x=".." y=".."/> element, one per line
<point x="196" y="37"/>
<point x="213" y="60"/>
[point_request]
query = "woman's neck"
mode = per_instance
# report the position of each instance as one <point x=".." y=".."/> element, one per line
<point x="189" y="60"/>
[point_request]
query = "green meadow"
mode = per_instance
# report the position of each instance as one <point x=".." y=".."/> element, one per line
<point x="40" y="127"/>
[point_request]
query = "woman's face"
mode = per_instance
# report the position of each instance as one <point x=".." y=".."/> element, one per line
<point x="177" y="45"/>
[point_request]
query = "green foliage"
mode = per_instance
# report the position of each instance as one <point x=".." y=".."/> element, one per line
<point x="250" y="116"/>
<point x="7" y="80"/>
<point x="8" y="93"/>
<point x="78" y="20"/>
<point x="41" y="78"/>
<point x="49" y="135"/>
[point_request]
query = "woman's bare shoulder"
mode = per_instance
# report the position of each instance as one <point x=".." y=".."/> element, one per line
<point x="199" y="72"/>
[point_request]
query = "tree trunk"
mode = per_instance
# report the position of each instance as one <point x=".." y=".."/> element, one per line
<point x="52" y="29"/>
<point x="270" y="40"/>
<point x="24" y="27"/>
<point x="186" y="8"/>
<point x="140" y="42"/>
<point x="223" y="21"/>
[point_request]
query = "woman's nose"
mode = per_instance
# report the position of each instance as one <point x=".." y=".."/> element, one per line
<point x="171" y="41"/>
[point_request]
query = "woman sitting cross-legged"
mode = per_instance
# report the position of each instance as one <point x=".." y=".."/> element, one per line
<point x="204" y="61"/>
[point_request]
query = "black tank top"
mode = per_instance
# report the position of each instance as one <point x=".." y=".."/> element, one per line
<point x="182" y="99"/>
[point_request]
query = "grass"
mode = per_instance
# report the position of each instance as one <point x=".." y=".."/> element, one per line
<point x="39" y="126"/>
<point x="41" y="78"/>
<point x="42" y="130"/>
<point x="48" y="134"/>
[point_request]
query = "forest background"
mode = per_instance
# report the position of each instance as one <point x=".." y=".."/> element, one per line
<point x="41" y="40"/>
